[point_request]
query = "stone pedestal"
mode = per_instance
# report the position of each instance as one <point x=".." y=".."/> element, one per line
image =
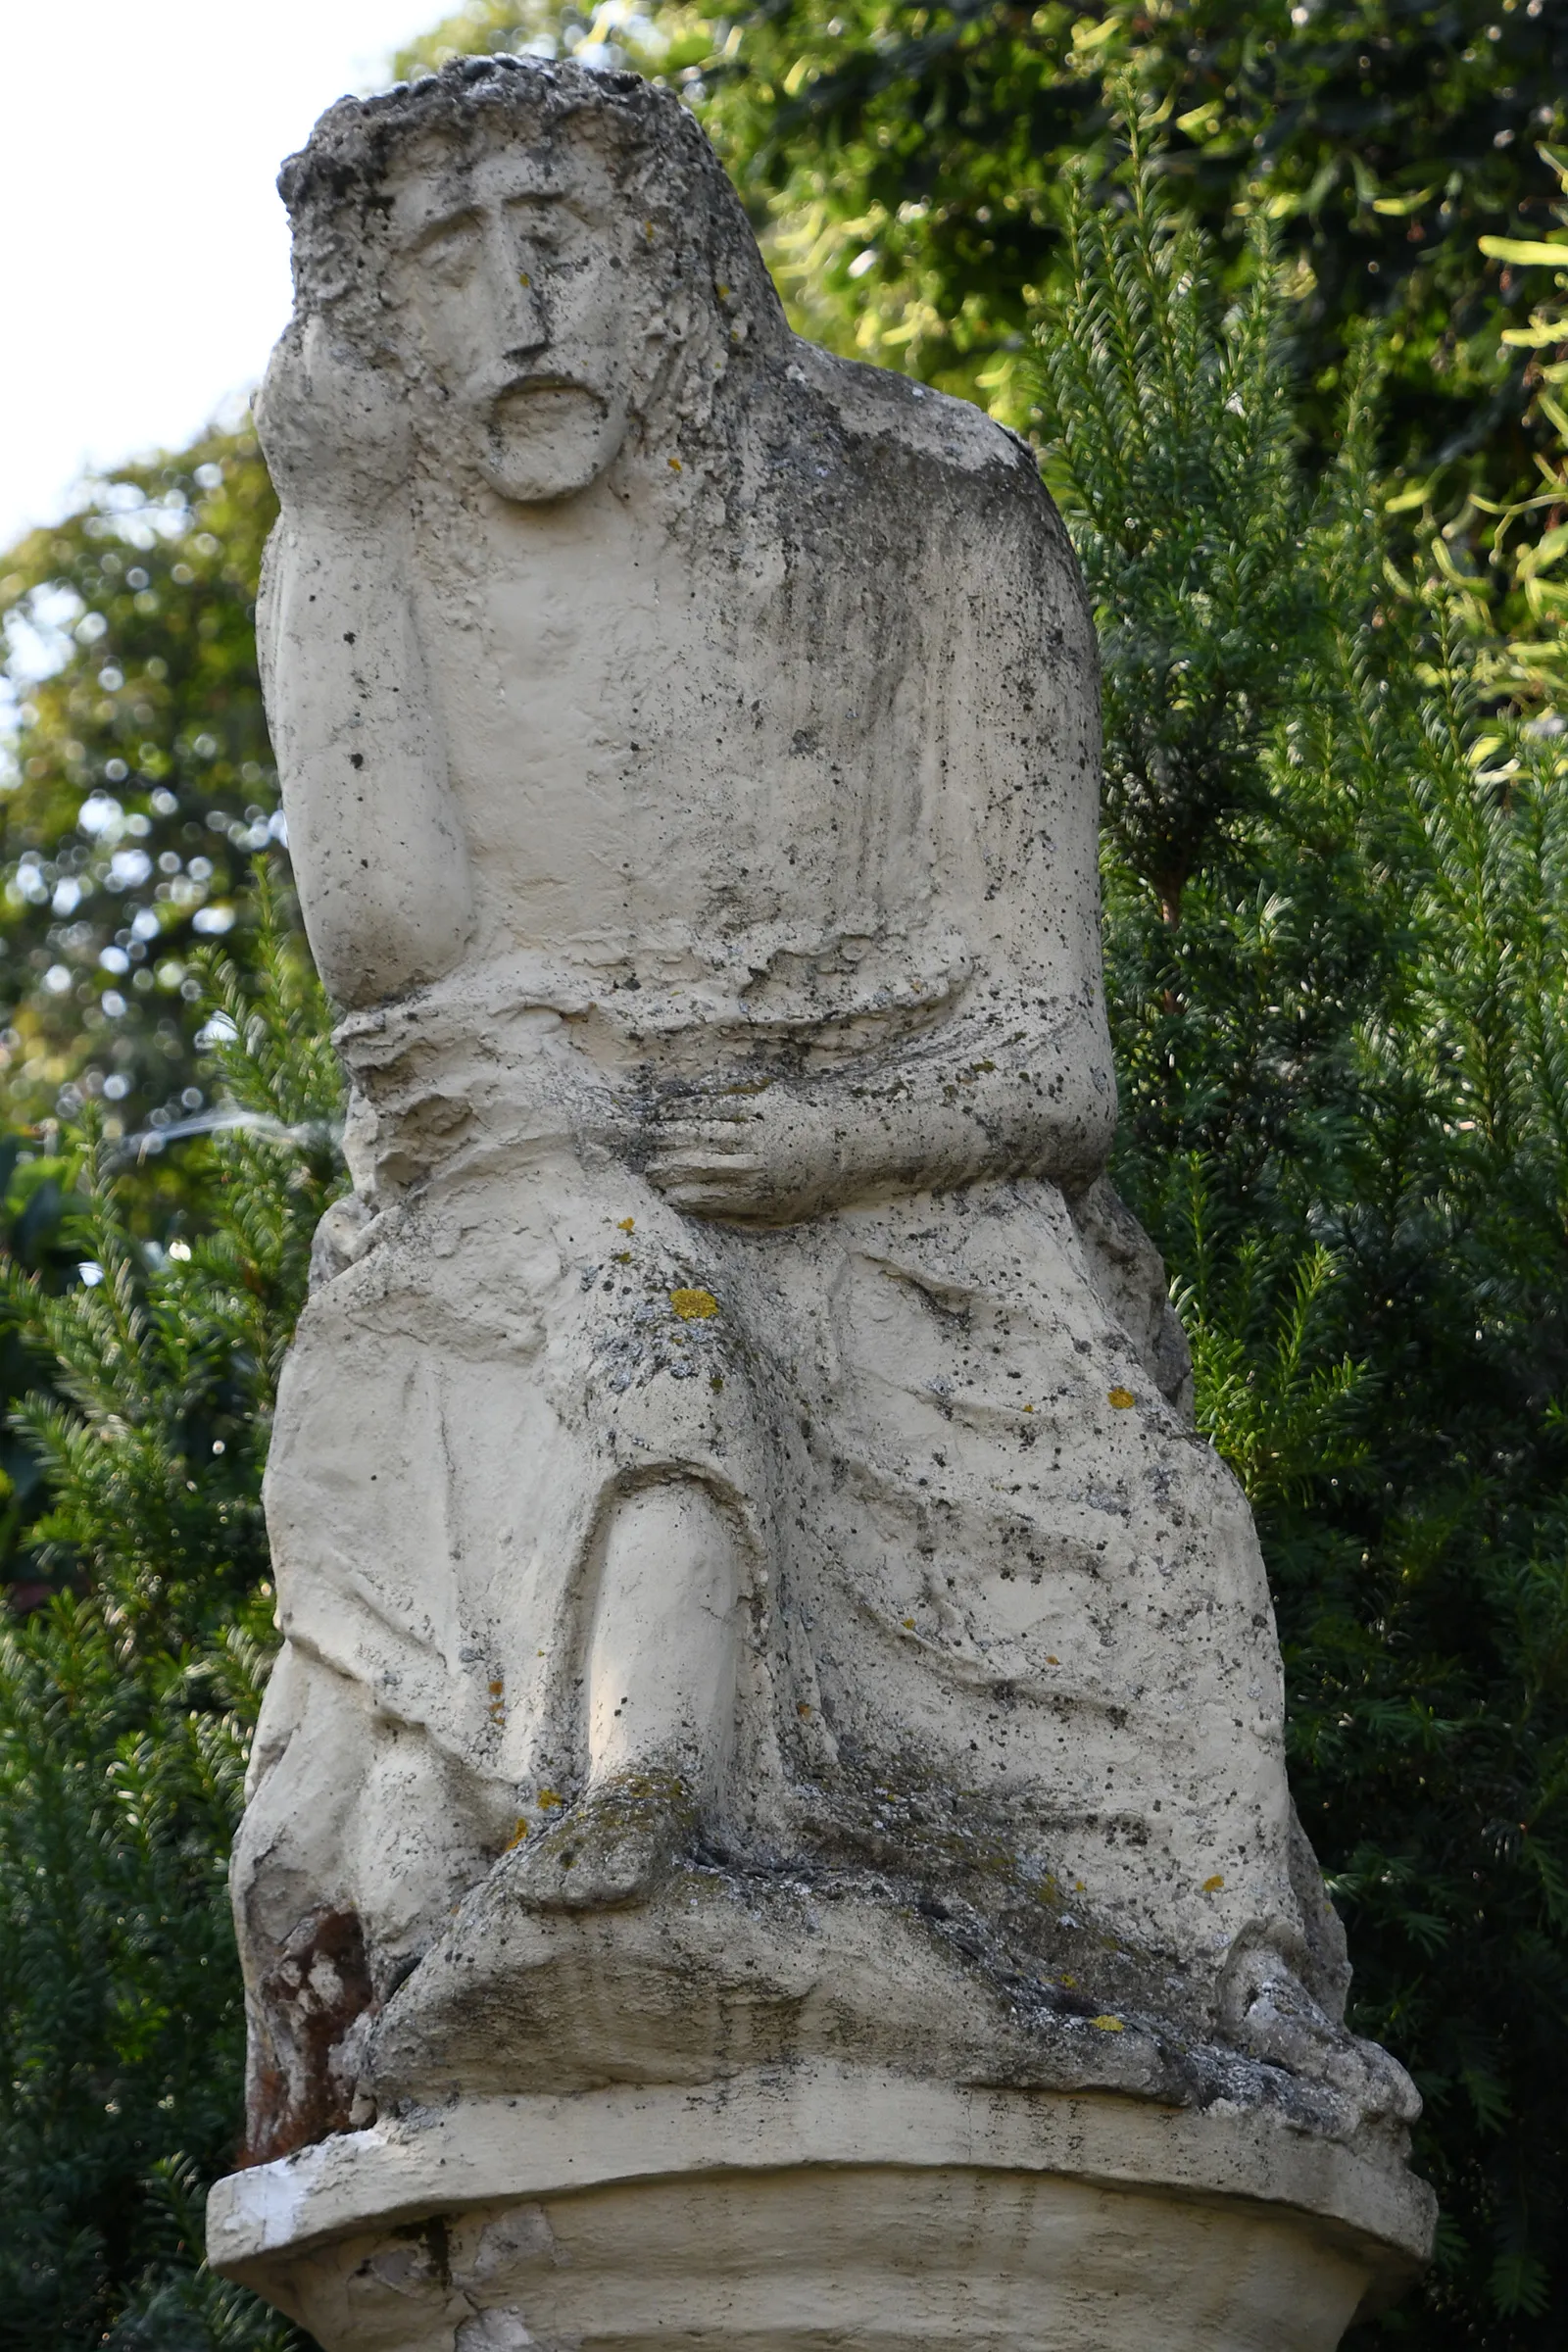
<point x="798" y="2208"/>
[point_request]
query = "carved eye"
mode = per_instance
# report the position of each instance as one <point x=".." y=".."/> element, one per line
<point x="536" y="233"/>
<point x="449" y="254"/>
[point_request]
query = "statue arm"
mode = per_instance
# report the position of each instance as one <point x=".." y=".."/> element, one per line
<point x="1012" y="1091"/>
<point x="1018" y="1080"/>
<point x="378" y="857"/>
<point x="1019" y="1090"/>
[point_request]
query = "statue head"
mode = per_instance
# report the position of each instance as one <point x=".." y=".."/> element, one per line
<point x="552" y="258"/>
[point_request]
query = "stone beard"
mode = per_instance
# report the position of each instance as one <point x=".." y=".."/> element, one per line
<point x="751" y="1586"/>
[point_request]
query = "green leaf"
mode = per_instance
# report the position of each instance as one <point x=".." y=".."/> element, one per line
<point x="1531" y="250"/>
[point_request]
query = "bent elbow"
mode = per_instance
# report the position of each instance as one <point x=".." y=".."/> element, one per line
<point x="373" y="940"/>
<point x="1077" y="1108"/>
<point x="384" y="881"/>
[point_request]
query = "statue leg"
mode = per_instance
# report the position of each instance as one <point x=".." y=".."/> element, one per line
<point x="296" y="1911"/>
<point x="659" y="1692"/>
<point x="662" y="1645"/>
<point x="359" y="1835"/>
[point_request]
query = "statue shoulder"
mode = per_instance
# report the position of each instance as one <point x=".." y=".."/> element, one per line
<point x="953" y="436"/>
<point x="946" y="455"/>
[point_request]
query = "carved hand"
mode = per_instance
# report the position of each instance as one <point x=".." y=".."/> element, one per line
<point x="766" y="1158"/>
<point x="335" y="429"/>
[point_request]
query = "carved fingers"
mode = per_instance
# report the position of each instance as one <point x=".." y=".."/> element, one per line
<point x="768" y="1158"/>
<point x="711" y="1168"/>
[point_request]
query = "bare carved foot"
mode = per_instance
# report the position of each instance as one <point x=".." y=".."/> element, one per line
<point x="1268" y="2010"/>
<point x="613" y="1847"/>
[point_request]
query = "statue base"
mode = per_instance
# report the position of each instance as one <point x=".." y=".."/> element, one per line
<point x="790" y="2209"/>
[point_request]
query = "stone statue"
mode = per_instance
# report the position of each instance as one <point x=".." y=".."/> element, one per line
<point x="753" y="1596"/>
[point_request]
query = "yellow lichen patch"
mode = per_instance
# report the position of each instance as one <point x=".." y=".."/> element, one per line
<point x="1213" y="1885"/>
<point x="517" y="1836"/>
<point x="628" y="1225"/>
<point x="908" y="1624"/>
<point x="1050" y="1661"/>
<point x="1108" y="2025"/>
<point x="1123" y="1399"/>
<point x="620" y="1257"/>
<point x="1028" y="1408"/>
<point x="674" y="463"/>
<point x="496" y="1690"/>
<point x="801" y="1707"/>
<point x="694" y="1306"/>
<point x="547" y="1796"/>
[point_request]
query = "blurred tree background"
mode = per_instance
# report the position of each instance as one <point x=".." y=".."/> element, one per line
<point x="129" y="1696"/>
<point x="141" y="782"/>
<point x="1296" y="378"/>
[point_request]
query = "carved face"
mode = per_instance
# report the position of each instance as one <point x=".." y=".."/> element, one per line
<point x="515" y="266"/>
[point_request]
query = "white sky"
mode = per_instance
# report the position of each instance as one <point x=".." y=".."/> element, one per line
<point x="145" y="250"/>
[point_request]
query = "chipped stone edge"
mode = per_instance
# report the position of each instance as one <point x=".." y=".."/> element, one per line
<point x="494" y="2151"/>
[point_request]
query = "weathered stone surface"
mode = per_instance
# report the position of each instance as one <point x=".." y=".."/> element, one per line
<point x="809" y="2205"/>
<point x="753" y="1597"/>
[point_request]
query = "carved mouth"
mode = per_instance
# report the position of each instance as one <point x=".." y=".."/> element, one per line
<point x="545" y="404"/>
<point x="547" y="438"/>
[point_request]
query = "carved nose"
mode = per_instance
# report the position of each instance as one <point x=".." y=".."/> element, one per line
<point x="520" y="301"/>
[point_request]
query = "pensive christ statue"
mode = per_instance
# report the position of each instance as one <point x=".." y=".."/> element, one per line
<point x="749" y="1578"/>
